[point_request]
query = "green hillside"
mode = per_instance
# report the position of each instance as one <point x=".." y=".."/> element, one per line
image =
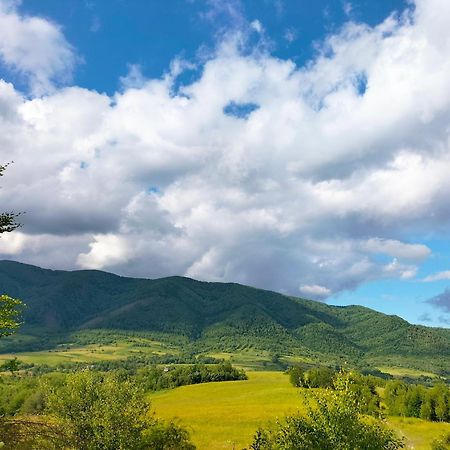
<point x="212" y="317"/>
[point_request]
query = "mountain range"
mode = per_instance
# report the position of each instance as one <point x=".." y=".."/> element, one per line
<point x="213" y="316"/>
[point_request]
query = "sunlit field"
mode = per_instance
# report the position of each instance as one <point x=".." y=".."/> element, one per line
<point x="119" y="350"/>
<point x="225" y="415"/>
<point x="405" y="372"/>
<point x="419" y="433"/>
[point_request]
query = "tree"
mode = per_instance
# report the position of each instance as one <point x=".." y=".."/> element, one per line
<point x="441" y="395"/>
<point x="333" y="421"/>
<point x="10" y="308"/>
<point x="10" y="313"/>
<point x="296" y="376"/>
<point x="319" y="377"/>
<point x="8" y="220"/>
<point x="109" y="412"/>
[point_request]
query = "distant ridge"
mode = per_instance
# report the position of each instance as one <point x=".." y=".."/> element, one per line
<point x="214" y="316"/>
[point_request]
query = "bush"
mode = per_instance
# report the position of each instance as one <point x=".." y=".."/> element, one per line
<point x="109" y="412"/>
<point x="333" y="422"/>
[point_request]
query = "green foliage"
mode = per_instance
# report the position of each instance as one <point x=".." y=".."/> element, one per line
<point x="333" y="421"/>
<point x="418" y="401"/>
<point x="8" y="220"/>
<point x="315" y="377"/>
<point x="207" y="317"/>
<point x="319" y="377"/>
<point x="155" y="378"/>
<point x="19" y="395"/>
<point x="107" y="412"/>
<point x="363" y="387"/>
<point x="365" y="390"/>
<point x="10" y="313"/>
<point x="167" y="437"/>
<point x="11" y="365"/>
<point x="296" y="376"/>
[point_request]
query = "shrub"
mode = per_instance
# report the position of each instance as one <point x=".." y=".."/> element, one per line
<point x="333" y="421"/>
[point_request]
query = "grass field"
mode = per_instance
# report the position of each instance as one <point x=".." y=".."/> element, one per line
<point x="419" y="433"/>
<point x="66" y="353"/>
<point x="405" y="372"/>
<point x="253" y="359"/>
<point x="226" y="415"/>
<point x="247" y="359"/>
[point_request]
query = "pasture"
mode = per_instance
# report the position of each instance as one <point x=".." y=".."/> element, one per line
<point x="225" y="415"/>
<point x="73" y="353"/>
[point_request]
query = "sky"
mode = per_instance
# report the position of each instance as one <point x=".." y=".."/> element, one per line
<point x="297" y="146"/>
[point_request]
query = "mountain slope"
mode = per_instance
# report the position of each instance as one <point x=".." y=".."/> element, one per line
<point x="219" y="316"/>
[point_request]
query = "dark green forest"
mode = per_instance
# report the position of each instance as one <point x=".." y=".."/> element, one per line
<point x="205" y="316"/>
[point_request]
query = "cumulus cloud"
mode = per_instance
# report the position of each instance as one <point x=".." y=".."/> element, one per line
<point x="107" y="249"/>
<point x="317" y="187"/>
<point x="35" y="48"/>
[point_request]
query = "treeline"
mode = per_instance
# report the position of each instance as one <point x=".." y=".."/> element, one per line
<point x="401" y="398"/>
<point x="131" y="365"/>
<point x="363" y="387"/>
<point x="418" y="401"/>
<point x="333" y="419"/>
<point x="23" y="394"/>
<point x="156" y="378"/>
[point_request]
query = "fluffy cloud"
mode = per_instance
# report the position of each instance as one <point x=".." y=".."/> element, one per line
<point x="34" y="48"/>
<point x="319" y="185"/>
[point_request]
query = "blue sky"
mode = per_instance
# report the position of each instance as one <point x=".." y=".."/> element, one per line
<point x="109" y="35"/>
<point x="291" y="145"/>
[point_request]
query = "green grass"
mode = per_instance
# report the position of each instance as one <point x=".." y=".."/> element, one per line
<point x="418" y="433"/>
<point x="66" y="353"/>
<point x="254" y="359"/>
<point x="405" y="372"/>
<point x="220" y="415"/>
<point x="226" y="415"/>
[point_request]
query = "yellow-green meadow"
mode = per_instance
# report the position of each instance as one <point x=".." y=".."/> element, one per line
<point x="225" y="415"/>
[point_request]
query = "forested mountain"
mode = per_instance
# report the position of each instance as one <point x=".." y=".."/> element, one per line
<point x="213" y="316"/>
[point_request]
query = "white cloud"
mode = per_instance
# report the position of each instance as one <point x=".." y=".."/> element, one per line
<point x="134" y="78"/>
<point x="315" y="291"/>
<point x="106" y="250"/>
<point x="34" y="48"/>
<point x="343" y="160"/>
<point x="397" y="249"/>
<point x="445" y="275"/>
<point x="257" y="26"/>
<point x="13" y="244"/>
